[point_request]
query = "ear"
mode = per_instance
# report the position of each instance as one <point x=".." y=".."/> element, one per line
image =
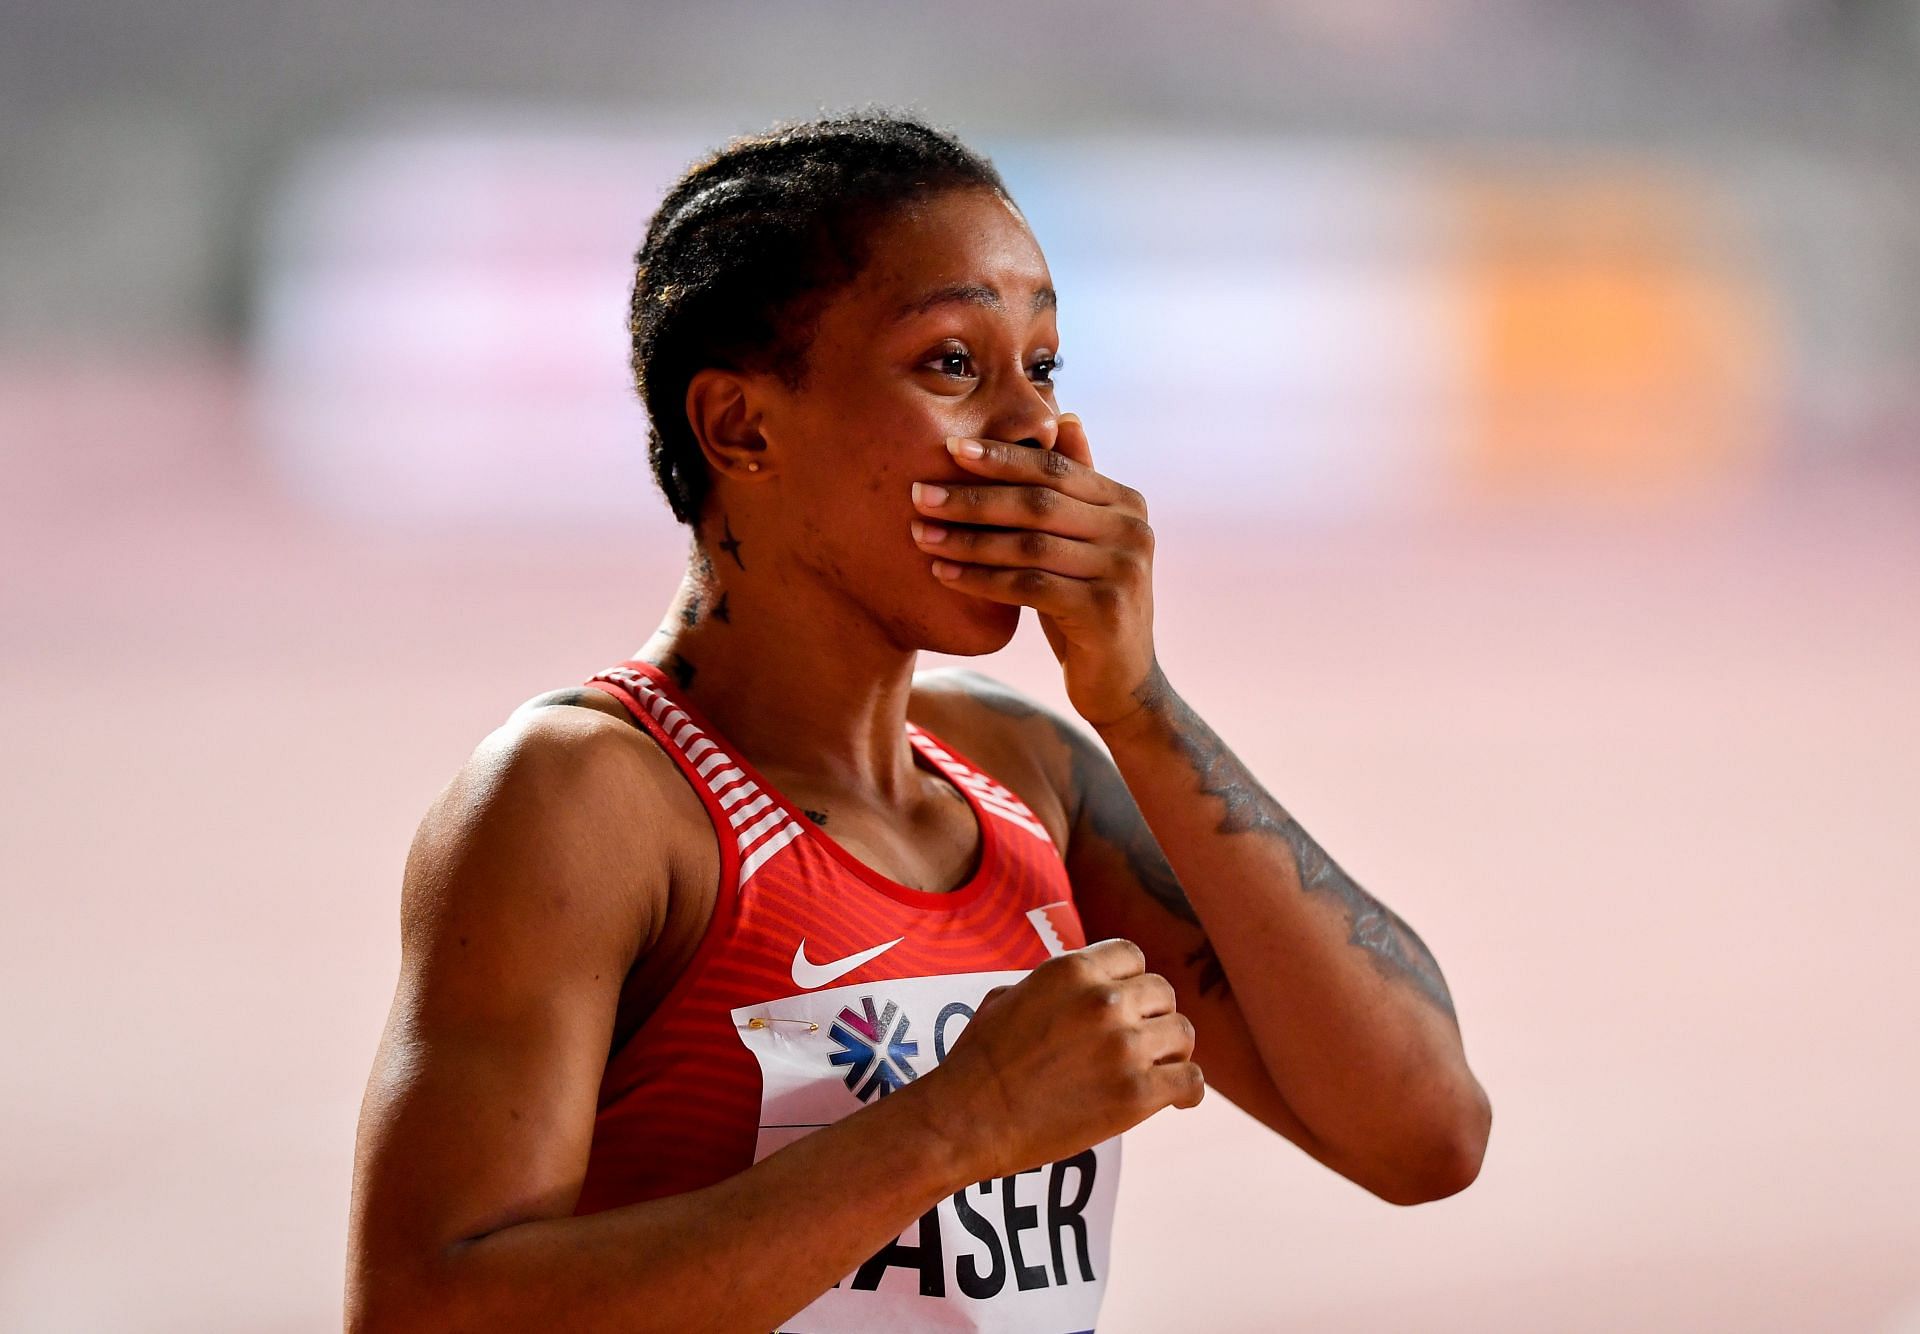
<point x="724" y="409"/>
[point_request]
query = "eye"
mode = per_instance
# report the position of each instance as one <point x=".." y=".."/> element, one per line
<point x="943" y="359"/>
<point x="1047" y="367"/>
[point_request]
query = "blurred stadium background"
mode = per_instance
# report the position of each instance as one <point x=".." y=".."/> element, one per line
<point x="1528" y="393"/>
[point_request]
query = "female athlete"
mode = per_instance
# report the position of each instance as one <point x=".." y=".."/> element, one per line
<point x="747" y="986"/>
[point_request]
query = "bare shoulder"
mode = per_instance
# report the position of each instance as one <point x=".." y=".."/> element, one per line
<point x="566" y="818"/>
<point x="584" y="697"/>
<point x="569" y="756"/>
<point x="1028" y="746"/>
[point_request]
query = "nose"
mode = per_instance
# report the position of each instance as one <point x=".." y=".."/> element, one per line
<point x="1024" y="415"/>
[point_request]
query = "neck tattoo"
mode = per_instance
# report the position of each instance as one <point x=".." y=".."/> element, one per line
<point x="731" y="544"/>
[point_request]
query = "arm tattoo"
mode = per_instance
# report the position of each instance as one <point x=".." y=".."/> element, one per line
<point x="1248" y="808"/>
<point x="585" y="697"/>
<point x="582" y="695"/>
<point x="1112" y="815"/>
<point x="1109" y="812"/>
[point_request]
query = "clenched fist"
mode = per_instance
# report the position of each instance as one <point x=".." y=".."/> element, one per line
<point x="1085" y="1046"/>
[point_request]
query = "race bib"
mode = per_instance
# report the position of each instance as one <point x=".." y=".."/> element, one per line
<point x="1022" y="1254"/>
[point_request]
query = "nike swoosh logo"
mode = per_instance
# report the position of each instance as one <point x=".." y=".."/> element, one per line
<point x="807" y="974"/>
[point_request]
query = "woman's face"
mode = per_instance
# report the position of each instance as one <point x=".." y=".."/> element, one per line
<point x="950" y="330"/>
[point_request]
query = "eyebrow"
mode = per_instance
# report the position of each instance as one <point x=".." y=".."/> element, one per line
<point x="979" y="294"/>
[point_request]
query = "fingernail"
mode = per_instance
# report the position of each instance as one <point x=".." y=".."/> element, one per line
<point x="926" y="493"/>
<point x="965" y="448"/>
<point x="928" y="532"/>
<point x="946" y="569"/>
<point x="1073" y="417"/>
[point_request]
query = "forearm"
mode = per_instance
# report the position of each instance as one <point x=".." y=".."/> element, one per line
<point x="1345" y="1003"/>
<point x="742" y="1255"/>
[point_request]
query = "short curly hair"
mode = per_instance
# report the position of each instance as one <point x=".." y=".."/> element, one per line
<point x="747" y="246"/>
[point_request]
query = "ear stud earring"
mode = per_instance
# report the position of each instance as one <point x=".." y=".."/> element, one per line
<point x="753" y="465"/>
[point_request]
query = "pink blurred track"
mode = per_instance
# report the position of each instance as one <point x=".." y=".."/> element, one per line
<point x="1647" y="787"/>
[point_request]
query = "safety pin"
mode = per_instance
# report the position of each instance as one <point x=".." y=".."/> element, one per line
<point x="759" y="1021"/>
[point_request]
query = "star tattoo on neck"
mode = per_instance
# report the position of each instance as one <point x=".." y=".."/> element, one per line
<point x="731" y="544"/>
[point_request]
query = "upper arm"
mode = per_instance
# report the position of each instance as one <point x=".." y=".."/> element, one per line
<point x="522" y="911"/>
<point x="1123" y="886"/>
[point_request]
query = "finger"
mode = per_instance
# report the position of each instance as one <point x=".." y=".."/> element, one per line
<point x="1012" y="505"/>
<point x="1013" y="547"/>
<point x="993" y="994"/>
<point x="1036" y="467"/>
<point x="1151" y="995"/>
<point x="1166" y="1038"/>
<point x="1070" y="438"/>
<point x="1115" y="958"/>
<point x="1176" y="1084"/>
<point x="1055" y="594"/>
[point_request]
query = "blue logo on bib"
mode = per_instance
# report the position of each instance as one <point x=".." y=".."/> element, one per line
<point x="873" y="1045"/>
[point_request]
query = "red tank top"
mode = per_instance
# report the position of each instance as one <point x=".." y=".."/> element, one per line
<point x="821" y="985"/>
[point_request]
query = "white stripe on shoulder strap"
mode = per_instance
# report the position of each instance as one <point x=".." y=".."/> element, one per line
<point x="994" y="796"/>
<point x="719" y="773"/>
<point x="761" y="854"/>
